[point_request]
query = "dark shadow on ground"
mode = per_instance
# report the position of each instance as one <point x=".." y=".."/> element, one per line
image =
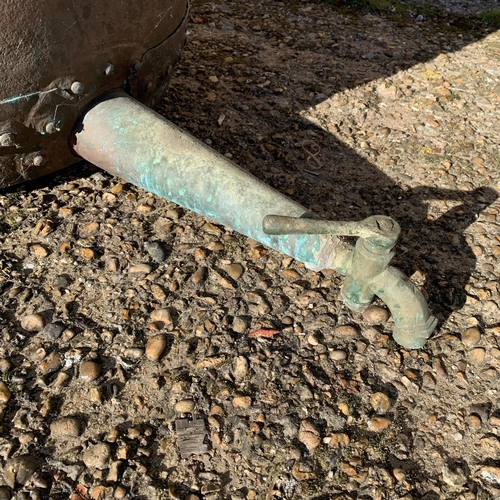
<point x="266" y="131"/>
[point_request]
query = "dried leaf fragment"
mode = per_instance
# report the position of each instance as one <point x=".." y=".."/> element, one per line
<point x="264" y="332"/>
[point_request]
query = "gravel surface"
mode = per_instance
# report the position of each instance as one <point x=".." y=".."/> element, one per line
<point x="148" y="353"/>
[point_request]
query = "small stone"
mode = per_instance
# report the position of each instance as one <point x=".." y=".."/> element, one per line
<point x="376" y="315"/>
<point x="400" y="476"/>
<point x="61" y="380"/>
<point x="39" y="251"/>
<point x="439" y="368"/>
<point x="490" y="474"/>
<point x="87" y="253"/>
<point x="53" y="331"/>
<point x="213" y="79"/>
<point x="242" y="402"/>
<point x="240" y="324"/>
<point x="162" y="316"/>
<point x="144" y="208"/>
<point x="174" y="214"/>
<point x="234" y="270"/>
<point x="155" y="250"/>
<point x="33" y="322"/>
<point x="117" y="188"/>
<point x="66" y="211"/>
<point x="89" y="371"/>
<point x="100" y="492"/>
<point x="454" y="477"/>
<point x="477" y="355"/>
<point x="309" y="434"/>
<point x="240" y="368"/>
<point x="339" y="439"/>
<point x="200" y="254"/>
<point x="291" y="274"/>
<point x="5" y="393"/>
<point x="338" y="355"/>
<point x="67" y="335"/>
<point x="19" y="470"/>
<point x="477" y="161"/>
<point x="471" y="337"/>
<point x="65" y="427"/>
<point x="225" y="283"/>
<point x="133" y="353"/>
<point x="5" y="365"/>
<point x="51" y="363"/>
<point x="444" y="91"/>
<point x="158" y="293"/>
<point x="140" y="268"/>
<point x="109" y="197"/>
<point x="184" y="406"/>
<point x="120" y="493"/>
<point x="301" y="472"/>
<point x="61" y="281"/>
<point x="344" y="409"/>
<point x="380" y="403"/>
<point x="345" y="331"/>
<point x="89" y="229"/>
<point x="377" y="424"/>
<point x="114" y="471"/>
<point x="112" y="264"/>
<point x="199" y="275"/>
<point x="155" y="347"/>
<point x="97" y="456"/>
<point x="215" y="246"/>
<point x="309" y="439"/>
<point x="312" y="340"/>
<point x="428" y="380"/>
<point x="474" y="421"/>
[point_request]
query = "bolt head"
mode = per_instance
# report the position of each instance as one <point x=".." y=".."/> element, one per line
<point x="109" y="69"/>
<point x="50" y="128"/>
<point x="77" y="88"/>
<point x="6" y="140"/>
<point x="38" y="160"/>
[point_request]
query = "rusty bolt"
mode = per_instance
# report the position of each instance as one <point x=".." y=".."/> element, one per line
<point x="6" y="140"/>
<point x="77" y="88"/>
<point x="38" y="161"/>
<point x="109" y="69"/>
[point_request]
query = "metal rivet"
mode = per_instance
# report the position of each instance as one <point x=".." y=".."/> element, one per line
<point x="38" y="161"/>
<point x="77" y="88"/>
<point x="6" y="140"/>
<point x="50" y="128"/>
<point x="109" y="69"/>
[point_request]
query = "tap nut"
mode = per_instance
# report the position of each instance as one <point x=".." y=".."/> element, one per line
<point x="6" y="140"/>
<point x="38" y="160"/>
<point x="109" y="69"/>
<point x="50" y="128"/>
<point x="77" y="88"/>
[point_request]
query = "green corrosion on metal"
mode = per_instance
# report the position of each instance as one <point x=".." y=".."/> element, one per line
<point x="155" y="154"/>
<point x="127" y="139"/>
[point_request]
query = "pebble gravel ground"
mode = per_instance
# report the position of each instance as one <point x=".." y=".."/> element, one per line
<point x="124" y="316"/>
